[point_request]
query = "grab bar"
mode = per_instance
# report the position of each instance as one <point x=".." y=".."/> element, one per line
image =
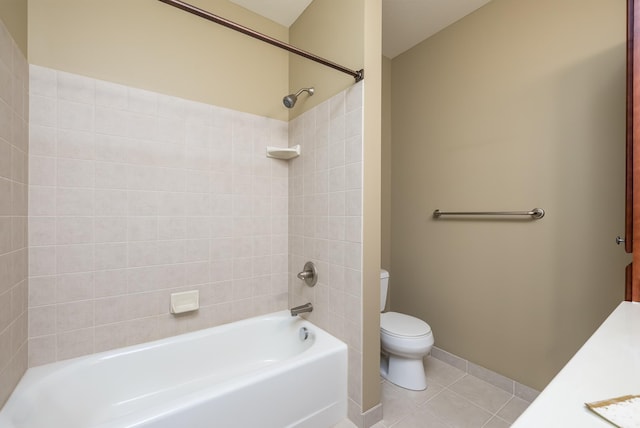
<point x="536" y="213"/>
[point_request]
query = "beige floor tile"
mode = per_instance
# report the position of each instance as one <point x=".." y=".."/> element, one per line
<point x="452" y="399"/>
<point x="399" y="402"/>
<point x="457" y="411"/>
<point x="481" y="393"/>
<point x="416" y="397"/>
<point x="513" y="409"/>
<point x="441" y="372"/>
<point x="345" y="424"/>
<point x="422" y="418"/>
<point x="496" y="422"/>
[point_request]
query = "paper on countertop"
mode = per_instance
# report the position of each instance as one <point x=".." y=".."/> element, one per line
<point x="623" y="412"/>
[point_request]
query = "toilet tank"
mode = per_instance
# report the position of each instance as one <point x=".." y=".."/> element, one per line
<point x="384" y="287"/>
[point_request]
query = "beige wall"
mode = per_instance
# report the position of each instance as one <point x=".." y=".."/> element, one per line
<point x="372" y="150"/>
<point x="150" y="45"/>
<point x="14" y="142"/>
<point x="334" y="30"/>
<point x="385" y="254"/>
<point x="14" y="16"/>
<point x="519" y="105"/>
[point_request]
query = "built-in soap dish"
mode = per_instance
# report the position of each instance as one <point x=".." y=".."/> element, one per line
<point x="284" y="153"/>
<point x="186" y="301"/>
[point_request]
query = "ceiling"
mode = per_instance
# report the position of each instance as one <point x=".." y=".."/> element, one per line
<point x="284" y="12"/>
<point x="405" y="23"/>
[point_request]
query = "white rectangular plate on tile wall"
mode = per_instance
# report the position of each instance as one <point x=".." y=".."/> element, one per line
<point x="186" y="301"/>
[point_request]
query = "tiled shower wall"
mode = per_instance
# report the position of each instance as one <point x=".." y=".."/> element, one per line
<point x="325" y="222"/>
<point x="14" y="139"/>
<point x="135" y="195"/>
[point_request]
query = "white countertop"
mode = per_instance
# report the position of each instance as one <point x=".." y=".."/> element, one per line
<point x="607" y="366"/>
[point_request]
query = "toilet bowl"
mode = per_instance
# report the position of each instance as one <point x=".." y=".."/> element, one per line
<point x="404" y="341"/>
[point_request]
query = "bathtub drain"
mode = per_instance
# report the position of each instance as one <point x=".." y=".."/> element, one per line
<point x="303" y="333"/>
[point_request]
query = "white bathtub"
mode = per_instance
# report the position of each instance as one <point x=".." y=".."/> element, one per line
<point x="255" y="373"/>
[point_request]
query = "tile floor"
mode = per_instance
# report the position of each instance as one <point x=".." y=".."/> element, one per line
<point x="452" y="399"/>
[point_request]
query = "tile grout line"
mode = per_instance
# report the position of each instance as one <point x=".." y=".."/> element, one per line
<point x="493" y="414"/>
<point x="448" y="386"/>
<point x="474" y="404"/>
<point x="441" y="355"/>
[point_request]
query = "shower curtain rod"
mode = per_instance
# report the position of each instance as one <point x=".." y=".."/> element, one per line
<point x="358" y="75"/>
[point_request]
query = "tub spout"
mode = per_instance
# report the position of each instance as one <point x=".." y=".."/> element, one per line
<point x="301" y="309"/>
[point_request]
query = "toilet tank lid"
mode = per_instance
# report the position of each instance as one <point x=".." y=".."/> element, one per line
<point x="384" y="274"/>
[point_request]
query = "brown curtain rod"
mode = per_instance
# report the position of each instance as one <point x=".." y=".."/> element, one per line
<point x="358" y="75"/>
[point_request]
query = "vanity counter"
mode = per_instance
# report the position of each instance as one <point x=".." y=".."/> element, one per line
<point x="607" y="366"/>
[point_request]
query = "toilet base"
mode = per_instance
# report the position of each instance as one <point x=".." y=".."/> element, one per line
<point x="404" y="372"/>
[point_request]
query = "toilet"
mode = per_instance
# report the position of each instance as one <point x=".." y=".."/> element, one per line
<point x="404" y="341"/>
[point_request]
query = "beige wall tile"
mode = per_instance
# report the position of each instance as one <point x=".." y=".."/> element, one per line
<point x="74" y="144"/>
<point x="13" y="211"/>
<point x="74" y="230"/>
<point x="42" y="291"/>
<point x="75" y="173"/>
<point x="42" y="350"/>
<point x="19" y="199"/>
<point x="110" y="310"/>
<point x="42" y="261"/>
<point x="42" y="140"/>
<point x="5" y="234"/>
<point x="5" y="197"/>
<point x="19" y="235"/>
<point x="74" y="315"/>
<point x="135" y="217"/>
<point x="110" y="256"/>
<point x="42" y="231"/>
<point x="5" y="159"/>
<point x="110" y="202"/>
<point x="110" y="229"/>
<point x="144" y="330"/>
<point x="42" y="171"/>
<point x="6" y="316"/>
<point x="74" y="343"/>
<point x="74" y="258"/>
<point x="110" y="336"/>
<point x="42" y="320"/>
<point x="74" y="287"/>
<point x="6" y="266"/>
<point x="110" y="282"/>
<point x="42" y="201"/>
<point x="324" y="190"/>
<point x="74" y="202"/>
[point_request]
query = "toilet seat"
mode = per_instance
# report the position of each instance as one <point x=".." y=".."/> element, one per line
<point x="403" y="325"/>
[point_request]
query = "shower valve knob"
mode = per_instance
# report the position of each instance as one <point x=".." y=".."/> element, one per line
<point x="309" y="275"/>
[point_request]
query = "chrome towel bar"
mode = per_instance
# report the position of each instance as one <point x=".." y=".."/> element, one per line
<point x="536" y="213"/>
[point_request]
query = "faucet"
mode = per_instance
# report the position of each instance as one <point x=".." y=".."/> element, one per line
<point x="301" y="309"/>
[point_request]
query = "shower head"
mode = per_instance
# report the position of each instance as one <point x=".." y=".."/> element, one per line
<point x="290" y="100"/>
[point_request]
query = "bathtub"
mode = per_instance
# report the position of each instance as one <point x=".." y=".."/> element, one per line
<point x="260" y="372"/>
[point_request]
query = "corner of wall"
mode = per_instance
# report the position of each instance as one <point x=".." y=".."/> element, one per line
<point x="14" y="148"/>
